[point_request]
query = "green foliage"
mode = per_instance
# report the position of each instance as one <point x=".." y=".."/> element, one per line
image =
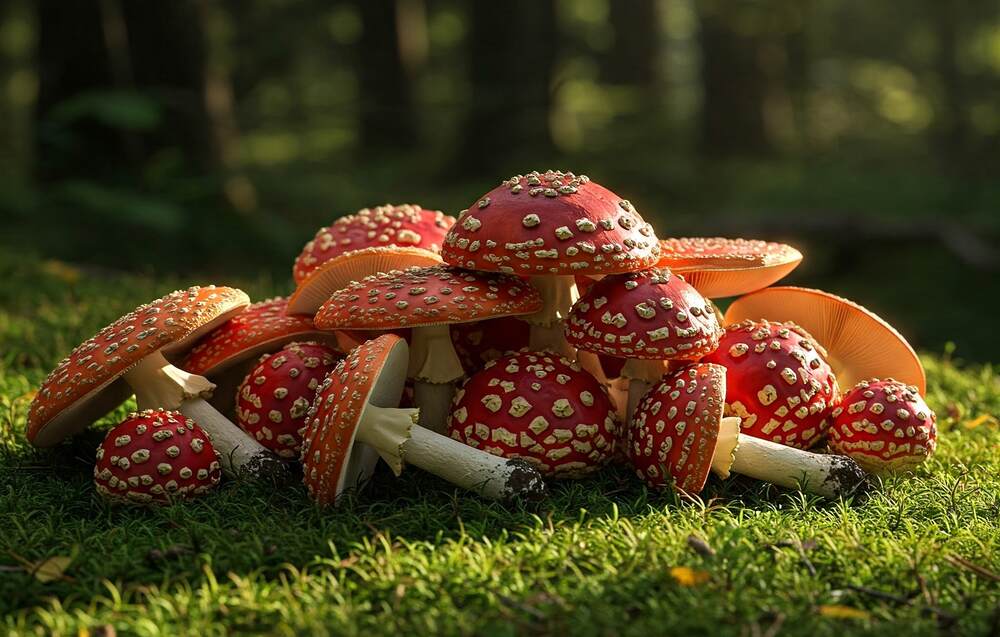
<point x="413" y="556"/>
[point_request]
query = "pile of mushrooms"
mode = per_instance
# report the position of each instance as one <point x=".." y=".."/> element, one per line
<point x="548" y="333"/>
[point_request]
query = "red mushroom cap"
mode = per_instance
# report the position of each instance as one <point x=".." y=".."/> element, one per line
<point x="405" y="225"/>
<point x="675" y="428"/>
<point x="154" y="456"/>
<point x="436" y="295"/>
<point x="483" y="341"/>
<point x="652" y="314"/>
<point x="274" y="398"/>
<point x="540" y="407"/>
<point x="263" y="326"/>
<point x="778" y="382"/>
<point x="884" y="425"/>
<point x="719" y="267"/>
<point x="88" y="383"/>
<point x="551" y="223"/>
<point x="331" y="463"/>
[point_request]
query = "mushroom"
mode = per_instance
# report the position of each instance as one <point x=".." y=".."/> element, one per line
<point x="550" y="227"/>
<point x="274" y="398"/>
<point x="428" y="300"/>
<point x="778" y="381"/>
<point x="719" y="267"/>
<point x="859" y="344"/>
<point x="227" y="353"/>
<point x="481" y="342"/>
<point x="155" y="456"/>
<point x="539" y="407"/>
<point x="647" y="318"/>
<point x="356" y="404"/>
<point x="679" y="434"/>
<point x="133" y="355"/>
<point x="885" y="425"/>
<point x="373" y="240"/>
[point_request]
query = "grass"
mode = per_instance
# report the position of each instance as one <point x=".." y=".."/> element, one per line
<point x="413" y="556"/>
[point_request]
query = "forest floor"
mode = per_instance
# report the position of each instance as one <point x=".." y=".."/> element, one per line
<point x="414" y="556"/>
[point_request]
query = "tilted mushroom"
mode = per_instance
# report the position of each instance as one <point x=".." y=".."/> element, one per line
<point x="859" y="344"/>
<point x="356" y="404"/>
<point x="274" y="398"/>
<point x="719" y="267"/>
<point x="428" y="300"/>
<point x="885" y="425"/>
<point x="133" y="355"/>
<point x="155" y="456"/>
<point x="371" y="241"/>
<point x="479" y="343"/>
<point x="647" y="318"/>
<point x="779" y="383"/>
<point x="550" y="227"/>
<point x="227" y="353"/>
<point x="679" y="434"/>
<point x="540" y="407"/>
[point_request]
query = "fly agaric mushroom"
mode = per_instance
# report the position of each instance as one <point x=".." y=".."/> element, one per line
<point x="374" y="240"/>
<point x="884" y="425"/>
<point x="133" y="355"/>
<point x="539" y="407"/>
<point x="428" y="300"/>
<point x="227" y="353"/>
<point x="356" y="404"/>
<point x="550" y="227"/>
<point x="274" y="398"/>
<point x="719" y="267"/>
<point x="479" y="343"/>
<point x="778" y="382"/>
<point x="647" y="318"/>
<point x="154" y="456"/>
<point x="679" y="434"/>
<point x="859" y="344"/>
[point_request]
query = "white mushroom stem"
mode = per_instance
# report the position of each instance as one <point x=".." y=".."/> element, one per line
<point x="641" y="374"/>
<point x="159" y="385"/>
<point x="824" y="475"/>
<point x="434" y="367"/>
<point x="558" y="293"/>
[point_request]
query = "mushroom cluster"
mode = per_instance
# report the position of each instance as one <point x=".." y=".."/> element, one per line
<point x="547" y="332"/>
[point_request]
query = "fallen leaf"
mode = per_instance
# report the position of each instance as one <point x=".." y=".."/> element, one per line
<point x="985" y="419"/>
<point x="839" y="611"/>
<point x="52" y="569"/>
<point x="688" y="576"/>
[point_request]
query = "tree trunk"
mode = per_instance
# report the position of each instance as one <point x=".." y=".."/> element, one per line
<point x="633" y="59"/>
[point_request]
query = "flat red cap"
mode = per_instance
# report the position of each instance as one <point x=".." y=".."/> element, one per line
<point x="675" y="428"/>
<point x="778" y="382"/>
<point x="551" y="223"/>
<point x="720" y="267"/>
<point x="436" y="295"/>
<point x="652" y="314"/>
<point x="404" y="225"/>
<point x="87" y="384"/>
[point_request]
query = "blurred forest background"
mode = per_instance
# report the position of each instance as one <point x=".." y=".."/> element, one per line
<point x="212" y="137"/>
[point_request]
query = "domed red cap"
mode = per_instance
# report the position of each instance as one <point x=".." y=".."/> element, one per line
<point x="778" y="382"/>
<point x="652" y="314"/>
<point x="551" y="223"/>
<point x="675" y="428"/>
<point x="274" y="398"/>
<point x="405" y="225"/>
<point x="261" y="327"/>
<point x="154" y="456"/>
<point x="540" y="407"/>
<point x="884" y="425"/>
<point x="436" y="295"/>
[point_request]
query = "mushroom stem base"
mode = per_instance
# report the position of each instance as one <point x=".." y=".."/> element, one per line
<point x="483" y="473"/>
<point x="824" y="475"/>
<point x="434" y="402"/>
<point x="159" y="385"/>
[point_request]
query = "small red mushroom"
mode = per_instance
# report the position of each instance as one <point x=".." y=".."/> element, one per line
<point x="885" y="425"/>
<point x="778" y="381"/>
<point x="274" y="398"/>
<point x="155" y="456"/>
<point x="539" y="407"/>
